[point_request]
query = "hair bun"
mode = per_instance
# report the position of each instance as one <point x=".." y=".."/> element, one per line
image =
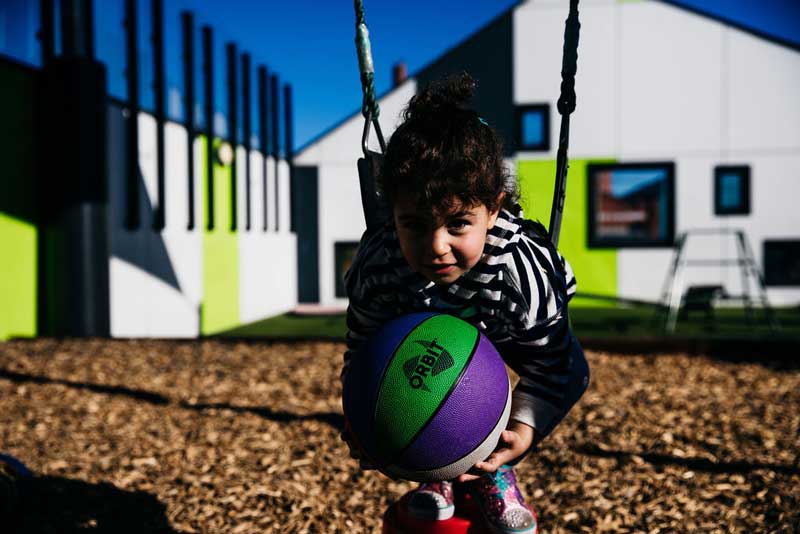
<point x="452" y="93"/>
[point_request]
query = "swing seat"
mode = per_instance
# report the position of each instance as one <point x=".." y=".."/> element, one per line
<point x="376" y="213"/>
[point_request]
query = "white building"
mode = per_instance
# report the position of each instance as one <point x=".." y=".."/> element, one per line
<point x="683" y="122"/>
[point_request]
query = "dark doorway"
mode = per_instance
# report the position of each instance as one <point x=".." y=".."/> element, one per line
<point x="305" y="212"/>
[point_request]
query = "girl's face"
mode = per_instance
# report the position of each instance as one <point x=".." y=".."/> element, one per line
<point x="442" y="247"/>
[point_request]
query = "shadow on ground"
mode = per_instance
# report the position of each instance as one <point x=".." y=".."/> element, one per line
<point x="692" y="463"/>
<point x="60" y="505"/>
<point x="333" y="419"/>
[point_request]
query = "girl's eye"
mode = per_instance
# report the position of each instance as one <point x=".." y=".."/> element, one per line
<point x="458" y="225"/>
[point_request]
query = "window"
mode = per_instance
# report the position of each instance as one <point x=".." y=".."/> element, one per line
<point x="533" y="127"/>
<point x="782" y="262"/>
<point x="732" y="190"/>
<point x="631" y="205"/>
<point x="343" y="253"/>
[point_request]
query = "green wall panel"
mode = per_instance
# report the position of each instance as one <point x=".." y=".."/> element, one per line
<point x="17" y="278"/>
<point x="18" y="232"/>
<point x="220" y="307"/>
<point x="595" y="269"/>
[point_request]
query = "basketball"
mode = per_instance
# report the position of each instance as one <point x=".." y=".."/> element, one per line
<point x="426" y="397"/>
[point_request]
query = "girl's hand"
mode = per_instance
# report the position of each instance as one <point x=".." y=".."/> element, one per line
<point x="355" y="453"/>
<point x="514" y="442"/>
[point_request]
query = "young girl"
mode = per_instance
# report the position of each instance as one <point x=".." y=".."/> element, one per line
<point x="457" y="243"/>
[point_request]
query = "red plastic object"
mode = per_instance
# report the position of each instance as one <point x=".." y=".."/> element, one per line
<point x="467" y="520"/>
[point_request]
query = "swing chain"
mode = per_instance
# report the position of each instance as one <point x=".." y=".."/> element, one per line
<point x="569" y="64"/>
<point x="369" y="107"/>
<point x="566" y="105"/>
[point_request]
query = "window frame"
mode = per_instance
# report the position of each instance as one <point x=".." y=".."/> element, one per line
<point x="596" y="242"/>
<point x="770" y="279"/>
<point x="544" y="146"/>
<point x="744" y="172"/>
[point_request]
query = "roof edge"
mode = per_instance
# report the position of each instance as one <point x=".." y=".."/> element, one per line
<point x="734" y="24"/>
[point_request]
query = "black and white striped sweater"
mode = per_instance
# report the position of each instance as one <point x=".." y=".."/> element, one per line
<point x="516" y="295"/>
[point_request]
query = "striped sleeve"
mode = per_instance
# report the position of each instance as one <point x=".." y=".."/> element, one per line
<point x="572" y="284"/>
<point x="368" y="283"/>
<point x="538" y="283"/>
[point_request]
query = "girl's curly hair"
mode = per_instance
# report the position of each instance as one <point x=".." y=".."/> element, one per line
<point x="443" y="151"/>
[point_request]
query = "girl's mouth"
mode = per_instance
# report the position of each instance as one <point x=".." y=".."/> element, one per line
<point x="443" y="269"/>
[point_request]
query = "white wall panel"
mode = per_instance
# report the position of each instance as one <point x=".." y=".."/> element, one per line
<point x="271" y="188"/>
<point x="241" y="186"/>
<point x="775" y="190"/>
<point x="176" y="185"/>
<point x="267" y="275"/>
<point x="538" y="42"/>
<point x="144" y="306"/>
<point x="694" y="192"/>
<point x="156" y="277"/>
<point x="183" y="246"/>
<point x="199" y="183"/>
<point x="148" y="161"/>
<point x="670" y="80"/>
<point x="538" y="45"/>
<point x="341" y="218"/>
<point x="128" y="300"/>
<point x="595" y="127"/>
<point x="284" y="202"/>
<point x="186" y="256"/>
<point x="641" y="272"/>
<point x="256" y="191"/>
<point x="764" y="84"/>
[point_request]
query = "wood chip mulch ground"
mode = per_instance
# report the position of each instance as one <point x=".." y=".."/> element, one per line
<point x="229" y="437"/>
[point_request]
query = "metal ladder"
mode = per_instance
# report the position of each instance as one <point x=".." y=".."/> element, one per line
<point x="672" y="291"/>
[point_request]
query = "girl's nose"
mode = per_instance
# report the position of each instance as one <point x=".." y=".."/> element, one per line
<point x="440" y="243"/>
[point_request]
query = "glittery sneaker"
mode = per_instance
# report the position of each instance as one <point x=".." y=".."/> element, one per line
<point x="502" y="505"/>
<point x="432" y="501"/>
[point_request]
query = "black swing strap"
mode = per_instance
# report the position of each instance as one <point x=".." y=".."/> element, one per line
<point x="375" y="211"/>
<point x="566" y="105"/>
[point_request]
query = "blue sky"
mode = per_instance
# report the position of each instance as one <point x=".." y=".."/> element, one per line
<point x="309" y="43"/>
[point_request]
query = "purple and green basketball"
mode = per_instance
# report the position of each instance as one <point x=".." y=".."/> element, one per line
<point x="426" y="397"/>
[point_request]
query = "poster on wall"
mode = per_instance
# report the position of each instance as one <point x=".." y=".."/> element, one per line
<point x="631" y="205"/>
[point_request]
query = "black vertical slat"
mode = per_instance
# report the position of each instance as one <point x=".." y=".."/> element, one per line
<point x="288" y="131"/>
<point x="233" y="133"/>
<point x="88" y="29"/>
<point x="68" y="44"/>
<point x="188" y="76"/>
<point x="132" y="162"/>
<point x="264" y="133"/>
<point x="208" y="73"/>
<point x="248" y="132"/>
<point x="275" y="144"/>
<point x="77" y="28"/>
<point x="47" y="32"/>
<point x="74" y="233"/>
<point x="159" y="89"/>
